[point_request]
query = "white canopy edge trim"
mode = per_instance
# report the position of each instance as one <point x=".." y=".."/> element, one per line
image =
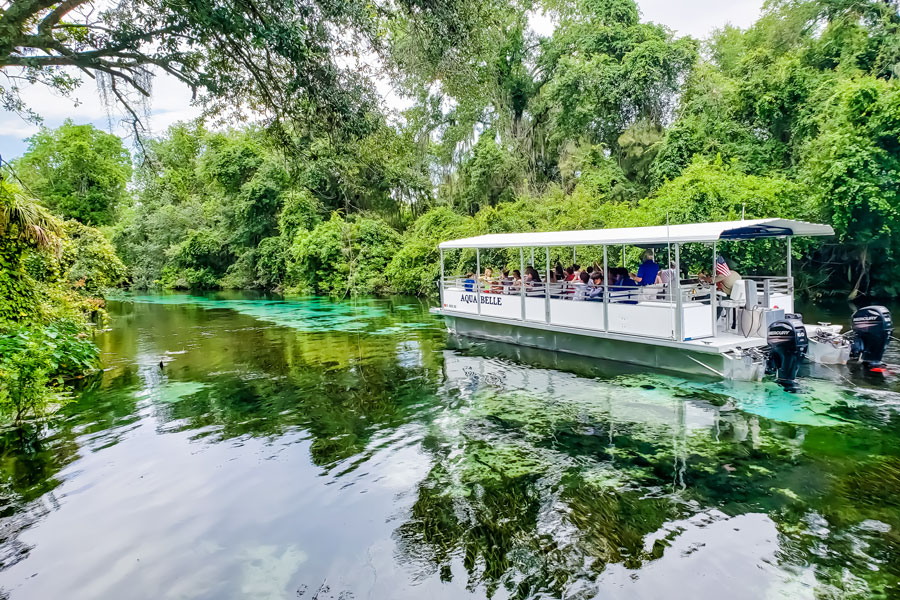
<point x="647" y="236"/>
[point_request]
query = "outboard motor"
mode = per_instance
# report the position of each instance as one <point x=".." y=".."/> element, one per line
<point x="787" y="347"/>
<point x="873" y="329"/>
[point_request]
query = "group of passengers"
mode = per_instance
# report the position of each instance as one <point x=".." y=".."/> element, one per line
<point x="575" y="282"/>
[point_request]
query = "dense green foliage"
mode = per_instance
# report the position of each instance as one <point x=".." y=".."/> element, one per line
<point x="51" y="277"/>
<point x="35" y="362"/>
<point x="77" y="171"/>
<point x="607" y="122"/>
<point x="230" y="210"/>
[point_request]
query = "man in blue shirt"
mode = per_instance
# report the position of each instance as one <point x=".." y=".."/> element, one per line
<point x="648" y="270"/>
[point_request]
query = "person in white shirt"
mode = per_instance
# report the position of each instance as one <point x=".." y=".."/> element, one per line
<point x="581" y="286"/>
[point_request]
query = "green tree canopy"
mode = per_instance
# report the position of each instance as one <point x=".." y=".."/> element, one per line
<point x="604" y="70"/>
<point x="275" y="56"/>
<point x="77" y="171"/>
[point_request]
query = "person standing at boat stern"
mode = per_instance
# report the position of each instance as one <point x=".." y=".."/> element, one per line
<point x="648" y="270"/>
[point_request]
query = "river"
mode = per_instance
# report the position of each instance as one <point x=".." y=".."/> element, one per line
<point x="239" y="447"/>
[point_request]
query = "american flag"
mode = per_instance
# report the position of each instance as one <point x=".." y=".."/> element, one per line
<point x="722" y="267"/>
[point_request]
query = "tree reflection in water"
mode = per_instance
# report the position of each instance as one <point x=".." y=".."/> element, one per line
<point x="544" y="479"/>
<point x="537" y="474"/>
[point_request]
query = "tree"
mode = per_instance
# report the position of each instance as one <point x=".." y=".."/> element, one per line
<point x="489" y="177"/>
<point x="343" y="256"/>
<point x="854" y="164"/>
<point x="600" y="73"/>
<point x="77" y="171"/>
<point x="89" y="261"/>
<point x="275" y="56"/>
<point x="603" y="70"/>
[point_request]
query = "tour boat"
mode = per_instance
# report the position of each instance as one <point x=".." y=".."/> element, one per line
<point x="683" y="325"/>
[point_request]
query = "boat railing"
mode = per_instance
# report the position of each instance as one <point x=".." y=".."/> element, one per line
<point x="648" y="311"/>
<point x="776" y="285"/>
<point x="776" y="291"/>
<point x="559" y="290"/>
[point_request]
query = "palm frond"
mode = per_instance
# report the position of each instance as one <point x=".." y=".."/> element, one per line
<point x="31" y="221"/>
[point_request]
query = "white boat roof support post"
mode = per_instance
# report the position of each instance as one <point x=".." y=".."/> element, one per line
<point x="712" y="291"/>
<point x="657" y="235"/>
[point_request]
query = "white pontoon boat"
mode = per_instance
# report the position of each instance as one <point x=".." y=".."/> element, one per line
<point x="680" y="326"/>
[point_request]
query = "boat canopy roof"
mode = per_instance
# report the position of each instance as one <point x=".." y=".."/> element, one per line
<point x="658" y="235"/>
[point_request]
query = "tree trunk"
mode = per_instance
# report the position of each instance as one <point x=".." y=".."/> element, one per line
<point x="863" y="263"/>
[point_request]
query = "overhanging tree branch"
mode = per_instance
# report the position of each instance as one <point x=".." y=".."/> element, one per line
<point x="57" y="14"/>
<point x="279" y="56"/>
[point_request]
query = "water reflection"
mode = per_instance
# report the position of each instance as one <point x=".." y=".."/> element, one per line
<point x="269" y="449"/>
<point x="547" y="478"/>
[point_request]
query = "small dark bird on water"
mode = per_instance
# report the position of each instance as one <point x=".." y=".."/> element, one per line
<point x="161" y="365"/>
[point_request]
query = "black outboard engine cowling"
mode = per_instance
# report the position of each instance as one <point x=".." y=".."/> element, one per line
<point x="873" y="329"/>
<point x="787" y="347"/>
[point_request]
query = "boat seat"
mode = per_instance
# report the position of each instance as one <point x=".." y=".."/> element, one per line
<point x="736" y="298"/>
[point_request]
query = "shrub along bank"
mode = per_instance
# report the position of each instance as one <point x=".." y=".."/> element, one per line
<point x="51" y="276"/>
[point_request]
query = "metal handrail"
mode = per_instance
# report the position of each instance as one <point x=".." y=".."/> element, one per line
<point x="559" y="290"/>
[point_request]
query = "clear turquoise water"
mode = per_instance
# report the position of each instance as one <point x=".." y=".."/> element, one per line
<point x="319" y="449"/>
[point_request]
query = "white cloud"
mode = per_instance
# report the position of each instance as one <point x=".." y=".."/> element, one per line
<point x="170" y="103"/>
<point x="698" y="18"/>
<point x="540" y="24"/>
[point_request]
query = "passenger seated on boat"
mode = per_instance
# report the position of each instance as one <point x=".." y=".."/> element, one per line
<point x="486" y="280"/>
<point x="469" y="282"/>
<point x="574" y="281"/>
<point x="649" y="269"/>
<point x="595" y="292"/>
<point x="506" y="281"/>
<point x="620" y="287"/>
<point x="725" y="278"/>
<point x="667" y="276"/>
<point x="581" y="286"/>
<point x="559" y="272"/>
<point x="570" y="273"/>
<point x="532" y="279"/>
<point x="515" y="282"/>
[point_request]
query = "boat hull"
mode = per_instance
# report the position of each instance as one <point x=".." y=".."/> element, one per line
<point x="640" y="352"/>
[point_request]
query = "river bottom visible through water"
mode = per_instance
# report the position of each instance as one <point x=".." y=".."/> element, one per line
<point x="258" y="448"/>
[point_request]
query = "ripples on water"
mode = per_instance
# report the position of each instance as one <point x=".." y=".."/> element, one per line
<point x="316" y="449"/>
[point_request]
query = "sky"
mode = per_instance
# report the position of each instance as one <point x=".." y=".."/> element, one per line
<point x="171" y="101"/>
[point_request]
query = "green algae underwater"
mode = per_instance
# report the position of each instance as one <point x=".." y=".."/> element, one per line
<point x="241" y="447"/>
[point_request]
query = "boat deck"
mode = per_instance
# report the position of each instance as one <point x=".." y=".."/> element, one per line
<point x="725" y="342"/>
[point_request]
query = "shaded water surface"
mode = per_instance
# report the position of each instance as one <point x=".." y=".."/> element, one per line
<point x="253" y="448"/>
